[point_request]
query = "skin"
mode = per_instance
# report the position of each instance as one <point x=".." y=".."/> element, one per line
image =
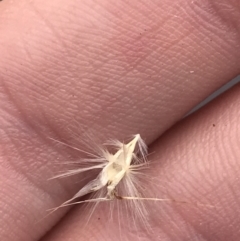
<point x="117" y="68"/>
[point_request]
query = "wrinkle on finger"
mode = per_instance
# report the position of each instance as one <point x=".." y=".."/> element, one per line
<point x="113" y="65"/>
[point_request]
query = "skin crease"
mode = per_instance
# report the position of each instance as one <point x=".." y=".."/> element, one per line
<point x="118" y="68"/>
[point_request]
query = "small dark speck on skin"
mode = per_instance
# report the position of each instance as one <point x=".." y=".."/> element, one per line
<point x="214" y="125"/>
<point x="98" y="218"/>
